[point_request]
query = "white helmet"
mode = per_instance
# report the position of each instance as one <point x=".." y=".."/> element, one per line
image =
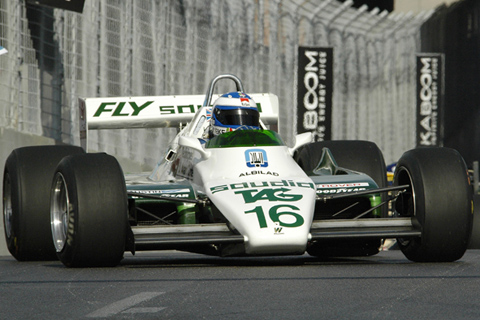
<point x="234" y="111"/>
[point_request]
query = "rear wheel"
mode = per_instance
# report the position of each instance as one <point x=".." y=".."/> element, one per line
<point x="361" y="156"/>
<point x="439" y="200"/>
<point x="475" y="237"/>
<point x="26" y="200"/>
<point x="89" y="211"/>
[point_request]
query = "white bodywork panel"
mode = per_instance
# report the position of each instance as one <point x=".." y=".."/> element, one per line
<point x="271" y="204"/>
<point x="157" y="112"/>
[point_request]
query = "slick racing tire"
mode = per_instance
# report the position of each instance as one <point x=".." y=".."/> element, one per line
<point x="361" y="156"/>
<point x="89" y="211"/>
<point x="439" y="200"/>
<point x="26" y="200"/>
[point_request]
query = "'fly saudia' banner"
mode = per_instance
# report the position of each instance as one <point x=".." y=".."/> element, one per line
<point x="430" y="99"/>
<point x="315" y="88"/>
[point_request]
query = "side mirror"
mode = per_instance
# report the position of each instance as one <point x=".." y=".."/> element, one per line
<point x="193" y="143"/>
<point x="301" y="140"/>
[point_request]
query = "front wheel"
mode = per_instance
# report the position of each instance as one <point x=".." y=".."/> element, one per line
<point x="439" y="201"/>
<point x="26" y="200"/>
<point x="89" y="211"/>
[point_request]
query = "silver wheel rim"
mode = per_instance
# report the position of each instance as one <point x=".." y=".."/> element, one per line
<point x="7" y="206"/>
<point x="59" y="212"/>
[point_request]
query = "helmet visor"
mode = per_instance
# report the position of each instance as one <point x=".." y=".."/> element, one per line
<point x="237" y="116"/>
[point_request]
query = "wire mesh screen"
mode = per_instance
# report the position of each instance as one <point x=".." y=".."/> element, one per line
<point x="167" y="47"/>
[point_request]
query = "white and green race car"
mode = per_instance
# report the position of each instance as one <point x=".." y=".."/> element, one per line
<point x="242" y="192"/>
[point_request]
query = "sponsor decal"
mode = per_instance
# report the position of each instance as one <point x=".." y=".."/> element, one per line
<point x="174" y="193"/>
<point x="277" y="229"/>
<point x="219" y="130"/>
<point x="280" y="194"/>
<point x="261" y="184"/>
<point x="314" y="94"/>
<point x="132" y="109"/>
<point x="179" y="109"/>
<point x="340" y="190"/>
<point x="330" y="188"/>
<point x="256" y="158"/>
<point x="282" y="215"/>
<point x="245" y="102"/>
<point x="430" y="96"/>
<point x="120" y="109"/>
<point x="342" y="185"/>
<point x="259" y="172"/>
<point x="209" y="114"/>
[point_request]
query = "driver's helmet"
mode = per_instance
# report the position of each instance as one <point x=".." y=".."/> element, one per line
<point x="234" y="111"/>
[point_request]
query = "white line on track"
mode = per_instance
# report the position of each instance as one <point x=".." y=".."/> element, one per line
<point x="124" y="304"/>
<point x="144" y="310"/>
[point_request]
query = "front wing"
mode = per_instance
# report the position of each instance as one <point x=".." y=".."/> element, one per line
<point x="190" y="237"/>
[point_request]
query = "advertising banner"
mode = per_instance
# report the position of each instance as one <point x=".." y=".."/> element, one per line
<point x="315" y="90"/>
<point x="430" y="99"/>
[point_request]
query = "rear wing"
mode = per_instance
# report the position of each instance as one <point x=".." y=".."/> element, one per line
<point x="155" y="112"/>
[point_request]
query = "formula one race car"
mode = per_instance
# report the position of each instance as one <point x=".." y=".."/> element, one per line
<point x="229" y="186"/>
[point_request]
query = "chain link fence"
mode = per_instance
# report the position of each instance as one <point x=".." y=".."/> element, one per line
<point x="174" y="47"/>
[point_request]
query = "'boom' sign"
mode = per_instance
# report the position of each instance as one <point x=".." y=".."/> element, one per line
<point x="315" y="87"/>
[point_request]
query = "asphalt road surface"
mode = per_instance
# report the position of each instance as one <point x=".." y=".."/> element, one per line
<point x="175" y="285"/>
